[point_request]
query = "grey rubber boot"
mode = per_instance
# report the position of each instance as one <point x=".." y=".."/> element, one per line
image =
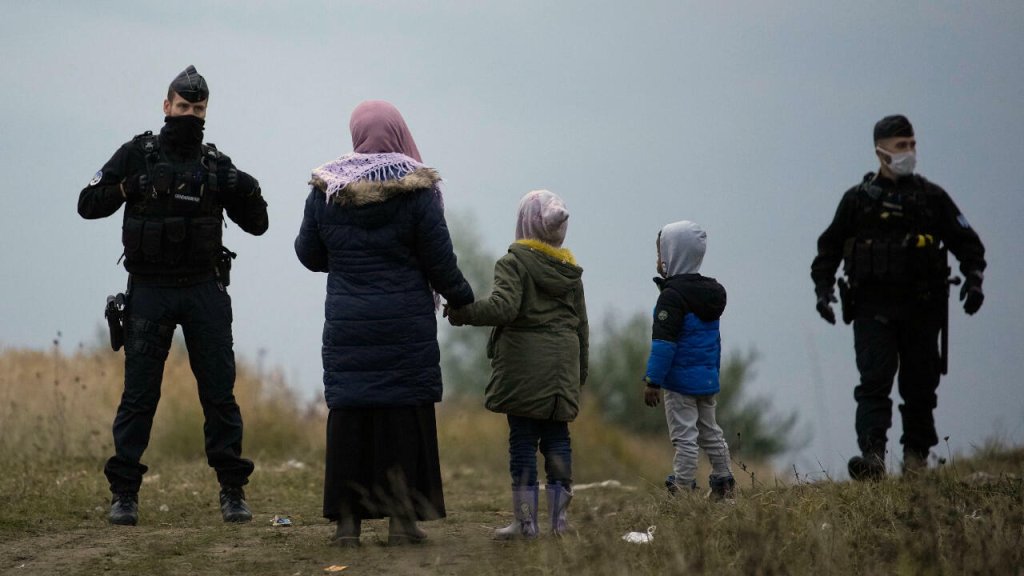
<point x="524" y="506"/>
<point x="559" y="498"/>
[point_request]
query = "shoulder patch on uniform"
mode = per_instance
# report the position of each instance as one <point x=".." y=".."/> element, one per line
<point x="963" y="221"/>
<point x="662" y="315"/>
<point x="96" y="178"/>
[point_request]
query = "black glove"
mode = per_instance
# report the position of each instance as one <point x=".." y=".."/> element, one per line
<point x="135" y="187"/>
<point x="971" y="294"/>
<point x="227" y="178"/>
<point x="825" y="300"/>
<point x="245" y="186"/>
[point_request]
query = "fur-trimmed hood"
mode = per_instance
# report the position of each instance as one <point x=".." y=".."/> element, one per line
<point x="363" y="192"/>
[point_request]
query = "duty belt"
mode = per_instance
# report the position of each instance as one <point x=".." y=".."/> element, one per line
<point x="173" y="279"/>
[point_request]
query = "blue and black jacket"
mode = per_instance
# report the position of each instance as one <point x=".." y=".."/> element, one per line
<point x="686" y="347"/>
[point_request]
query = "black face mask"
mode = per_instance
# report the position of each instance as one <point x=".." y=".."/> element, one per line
<point x="184" y="132"/>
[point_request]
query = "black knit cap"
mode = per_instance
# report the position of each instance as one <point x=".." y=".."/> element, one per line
<point x="893" y="126"/>
<point x="191" y="85"/>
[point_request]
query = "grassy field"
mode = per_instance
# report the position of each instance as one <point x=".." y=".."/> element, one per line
<point x="55" y="413"/>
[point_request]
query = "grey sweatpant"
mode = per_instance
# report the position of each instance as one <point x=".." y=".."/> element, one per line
<point x="691" y="423"/>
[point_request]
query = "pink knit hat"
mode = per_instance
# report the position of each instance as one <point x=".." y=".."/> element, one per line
<point x="542" y="216"/>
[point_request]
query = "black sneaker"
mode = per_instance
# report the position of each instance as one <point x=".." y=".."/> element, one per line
<point x="124" y="509"/>
<point x="675" y="487"/>
<point x="722" y="488"/>
<point x="868" y="466"/>
<point x="232" y="504"/>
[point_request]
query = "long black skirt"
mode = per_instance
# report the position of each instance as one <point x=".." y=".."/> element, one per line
<point x="383" y="462"/>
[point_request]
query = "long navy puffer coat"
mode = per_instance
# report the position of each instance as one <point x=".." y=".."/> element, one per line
<point x="386" y="248"/>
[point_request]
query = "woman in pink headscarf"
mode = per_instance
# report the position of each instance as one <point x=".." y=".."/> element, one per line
<point x="374" y="221"/>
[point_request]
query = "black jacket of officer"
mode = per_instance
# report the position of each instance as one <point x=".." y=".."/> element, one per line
<point x="176" y="190"/>
<point x="890" y="231"/>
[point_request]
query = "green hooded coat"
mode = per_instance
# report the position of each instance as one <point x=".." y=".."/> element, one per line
<point x="540" y="343"/>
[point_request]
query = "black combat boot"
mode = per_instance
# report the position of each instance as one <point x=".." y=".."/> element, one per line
<point x="232" y="504"/>
<point x="915" y="462"/>
<point x="124" y="509"/>
<point x="867" y="466"/>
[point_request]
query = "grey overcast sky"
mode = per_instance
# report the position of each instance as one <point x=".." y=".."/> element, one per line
<point x="749" y="117"/>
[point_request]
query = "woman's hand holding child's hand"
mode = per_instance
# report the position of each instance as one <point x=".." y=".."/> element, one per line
<point x="454" y="315"/>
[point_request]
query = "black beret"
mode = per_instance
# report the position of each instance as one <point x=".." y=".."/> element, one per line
<point x="893" y="126"/>
<point x="191" y="85"/>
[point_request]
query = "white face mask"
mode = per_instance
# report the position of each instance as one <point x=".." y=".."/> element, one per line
<point x="900" y="164"/>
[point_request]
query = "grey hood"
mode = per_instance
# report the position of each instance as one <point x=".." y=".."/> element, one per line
<point x="682" y="247"/>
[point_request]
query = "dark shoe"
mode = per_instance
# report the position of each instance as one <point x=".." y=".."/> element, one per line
<point x="124" y="509"/>
<point x="868" y="466"/>
<point x="404" y="532"/>
<point x="347" y="534"/>
<point x="674" y="487"/>
<point x="723" y="488"/>
<point x="232" y="504"/>
<point x="914" y="463"/>
<point x="524" y="507"/>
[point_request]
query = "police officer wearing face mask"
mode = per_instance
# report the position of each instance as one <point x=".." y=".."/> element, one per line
<point x="892" y="232"/>
<point x="175" y="190"/>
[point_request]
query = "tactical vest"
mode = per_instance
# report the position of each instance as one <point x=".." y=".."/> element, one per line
<point x="178" y="222"/>
<point x="893" y="245"/>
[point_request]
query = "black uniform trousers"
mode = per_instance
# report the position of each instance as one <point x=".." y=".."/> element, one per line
<point x="204" y="312"/>
<point x="905" y="340"/>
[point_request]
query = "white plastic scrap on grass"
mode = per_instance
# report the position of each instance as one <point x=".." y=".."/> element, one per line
<point x="640" y="537"/>
<point x="280" y="521"/>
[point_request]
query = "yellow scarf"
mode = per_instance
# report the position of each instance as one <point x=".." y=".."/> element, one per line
<point x="562" y="254"/>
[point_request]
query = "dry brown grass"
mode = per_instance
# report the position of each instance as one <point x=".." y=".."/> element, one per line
<point x="56" y="406"/>
<point x="55" y="414"/>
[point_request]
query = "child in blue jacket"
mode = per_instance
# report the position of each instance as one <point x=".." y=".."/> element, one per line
<point x="686" y="352"/>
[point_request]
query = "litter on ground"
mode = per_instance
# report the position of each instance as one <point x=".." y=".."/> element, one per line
<point x="640" y="537"/>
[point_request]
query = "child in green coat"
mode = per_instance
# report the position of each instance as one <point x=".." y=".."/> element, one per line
<point x="538" y="351"/>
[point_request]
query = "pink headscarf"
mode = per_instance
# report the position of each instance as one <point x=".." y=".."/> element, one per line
<point x="542" y="216"/>
<point x="377" y="126"/>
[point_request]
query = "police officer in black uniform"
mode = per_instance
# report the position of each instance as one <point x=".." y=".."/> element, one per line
<point x="175" y="189"/>
<point x="892" y="232"/>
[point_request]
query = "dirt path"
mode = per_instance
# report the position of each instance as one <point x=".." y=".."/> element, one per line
<point x="456" y="545"/>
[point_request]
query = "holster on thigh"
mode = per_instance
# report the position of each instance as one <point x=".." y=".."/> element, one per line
<point x="147" y="338"/>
